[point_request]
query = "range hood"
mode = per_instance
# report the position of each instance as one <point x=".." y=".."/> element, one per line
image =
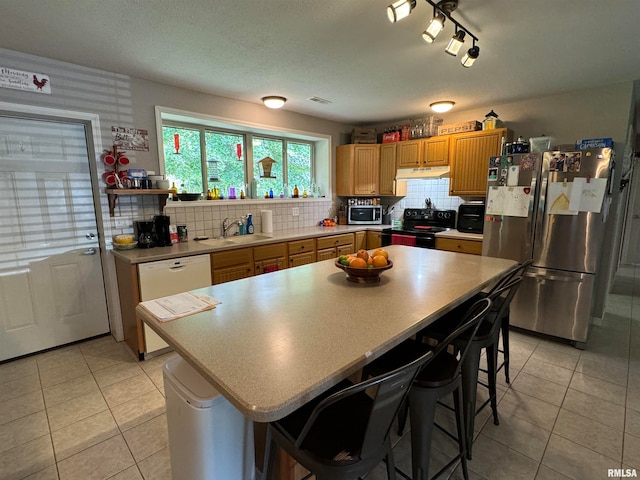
<point x="424" y="173"/>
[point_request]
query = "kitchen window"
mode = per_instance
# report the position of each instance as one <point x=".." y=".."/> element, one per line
<point x="200" y="158"/>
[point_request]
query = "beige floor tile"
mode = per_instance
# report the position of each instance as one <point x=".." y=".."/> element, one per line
<point x="26" y="459"/>
<point x="157" y="466"/>
<point x="523" y="337"/>
<point x="598" y="388"/>
<point x="56" y="375"/>
<point x="23" y="430"/>
<point x="595" y="408"/>
<point x="18" y="369"/>
<point x="84" y="434"/>
<point x="20" y="406"/>
<point x="496" y="461"/>
<point x="562" y="358"/>
<point x="59" y="357"/>
<point x="631" y="451"/>
<point x="79" y="408"/>
<point x="147" y="438"/>
<point x="539" y="388"/>
<point x="575" y="461"/>
<point x="116" y="373"/>
<point x="49" y="473"/>
<point x="103" y="460"/>
<point x="589" y="433"/>
<point x="545" y="473"/>
<point x="156" y="362"/>
<point x="633" y="398"/>
<point x="19" y="387"/>
<point x="156" y="376"/>
<point x="520" y="435"/>
<point x="525" y="407"/>
<point x="127" y="389"/>
<point x="70" y="389"/>
<point x="131" y="473"/>
<point x="139" y="410"/>
<point x="632" y="423"/>
<point x="97" y="345"/>
<point x="109" y="359"/>
<point x="548" y="371"/>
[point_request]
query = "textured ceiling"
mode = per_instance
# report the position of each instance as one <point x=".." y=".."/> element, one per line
<point x="345" y="51"/>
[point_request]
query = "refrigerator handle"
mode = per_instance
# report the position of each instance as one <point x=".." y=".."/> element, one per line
<point x="555" y="278"/>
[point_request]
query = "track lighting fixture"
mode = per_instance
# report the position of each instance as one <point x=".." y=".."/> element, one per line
<point x="442" y="11"/>
<point x="400" y="10"/>
<point x="273" y="101"/>
<point x="470" y="57"/>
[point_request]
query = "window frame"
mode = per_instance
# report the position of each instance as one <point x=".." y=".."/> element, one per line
<point x="247" y="139"/>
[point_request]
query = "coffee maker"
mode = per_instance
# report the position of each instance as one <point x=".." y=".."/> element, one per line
<point x="146" y="236"/>
<point x="163" y="235"/>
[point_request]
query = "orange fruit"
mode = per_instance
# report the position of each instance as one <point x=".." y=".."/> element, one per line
<point x="370" y="261"/>
<point x="379" y="261"/>
<point x="380" y="251"/>
<point x="363" y="254"/>
<point x="358" y="263"/>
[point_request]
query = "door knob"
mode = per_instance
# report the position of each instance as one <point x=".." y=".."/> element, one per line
<point x="90" y="236"/>
<point x="89" y="251"/>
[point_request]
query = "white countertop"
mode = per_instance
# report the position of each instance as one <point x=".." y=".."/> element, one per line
<point x="280" y="339"/>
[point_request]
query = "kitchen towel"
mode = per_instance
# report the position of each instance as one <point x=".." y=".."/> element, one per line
<point x="267" y="221"/>
<point x="398" y="239"/>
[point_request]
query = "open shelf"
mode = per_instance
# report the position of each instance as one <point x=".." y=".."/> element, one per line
<point x="112" y="194"/>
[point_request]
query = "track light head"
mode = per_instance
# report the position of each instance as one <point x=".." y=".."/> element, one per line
<point x="455" y="43"/>
<point x="400" y="9"/>
<point x="470" y="57"/>
<point x="434" y="28"/>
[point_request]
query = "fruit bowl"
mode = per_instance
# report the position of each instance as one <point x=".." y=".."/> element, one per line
<point x="363" y="275"/>
<point x="125" y="246"/>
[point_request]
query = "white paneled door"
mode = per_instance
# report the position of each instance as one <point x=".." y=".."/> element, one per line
<point x="51" y="282"/>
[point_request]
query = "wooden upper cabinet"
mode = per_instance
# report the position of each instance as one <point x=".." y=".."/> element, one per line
<point x="357" y="169"/>
<point x="409" y="153"/>
<point x="436" y="151"/>
<point x="469" y="159"/>
<point x="388" y="168"/>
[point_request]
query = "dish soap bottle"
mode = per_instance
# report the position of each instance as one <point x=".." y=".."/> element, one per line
<point x="249" y="227"/>
<point x="174" y="192"/>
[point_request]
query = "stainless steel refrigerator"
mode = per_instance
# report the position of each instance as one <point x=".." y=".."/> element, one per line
<point x="551" y="208"/>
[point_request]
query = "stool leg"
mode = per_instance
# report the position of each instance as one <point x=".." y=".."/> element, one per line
<point x="422" y="412"/>
<point x="402" y="416"/>
<point x="492" y="366"/>
<point x="505" y="345"/>
<point x="469" y="369"/>
<point x="462" y="441"/>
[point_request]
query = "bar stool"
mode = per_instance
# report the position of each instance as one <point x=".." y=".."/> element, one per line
<point x="439" y="378"/>
<point x="344" y="434"/>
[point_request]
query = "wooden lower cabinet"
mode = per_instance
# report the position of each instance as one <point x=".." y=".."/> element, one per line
<point x="268" y="258"/>
<point x="232" y="265"/>
<point x="374" y="239"/>
<point x="361" y="241"/>
<point x="334" y="246"/>
<point x="459" y="245"/>
<point x="302" y="252"/>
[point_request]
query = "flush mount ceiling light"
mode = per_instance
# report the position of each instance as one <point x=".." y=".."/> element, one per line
<point x="442" y="11"/>
<point x="273" y="101"/>
<point x="442" y="106"/>
<point x="400" y="10"/>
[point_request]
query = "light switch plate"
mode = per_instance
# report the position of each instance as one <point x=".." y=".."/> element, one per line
<point x="295" y="211"/>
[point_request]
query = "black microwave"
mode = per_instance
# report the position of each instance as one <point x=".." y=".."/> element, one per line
<point x="471" y="217"/>
<point x="364" y="215"/>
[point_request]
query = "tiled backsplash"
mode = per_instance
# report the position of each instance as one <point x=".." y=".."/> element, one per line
<point x="435" y="189"/>
<point x="205" y="218"/>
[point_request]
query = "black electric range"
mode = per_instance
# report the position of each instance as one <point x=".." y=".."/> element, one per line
<point x="419" y="227"/>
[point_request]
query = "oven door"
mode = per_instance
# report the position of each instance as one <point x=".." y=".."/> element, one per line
<point x="401" y="238"/>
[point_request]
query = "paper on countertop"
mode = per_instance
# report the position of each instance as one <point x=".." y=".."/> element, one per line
<point x="179" y="305"/>
<point x="587" y="195"/>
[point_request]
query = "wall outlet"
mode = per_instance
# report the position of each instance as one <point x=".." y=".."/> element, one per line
<point x="295" y="211"/>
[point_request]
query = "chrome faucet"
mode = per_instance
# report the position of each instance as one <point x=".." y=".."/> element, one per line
<point x="226" y="225"/>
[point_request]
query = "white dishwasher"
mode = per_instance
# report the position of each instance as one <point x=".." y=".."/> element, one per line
<point x="168" y="277"/>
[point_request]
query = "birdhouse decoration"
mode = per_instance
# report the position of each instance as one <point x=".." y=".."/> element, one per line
<point x="266" y="163"/>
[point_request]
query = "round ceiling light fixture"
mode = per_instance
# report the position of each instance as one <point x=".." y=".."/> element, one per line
<point x="442" y="106"/>
<point x="273" y="101"/>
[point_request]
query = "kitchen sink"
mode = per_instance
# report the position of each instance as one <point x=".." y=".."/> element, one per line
<point x="235" y="240"/>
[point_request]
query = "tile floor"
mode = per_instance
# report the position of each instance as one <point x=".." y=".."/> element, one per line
<point x="91" y="411"/>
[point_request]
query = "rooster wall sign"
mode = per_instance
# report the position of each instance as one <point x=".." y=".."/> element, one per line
<point x="21" y="80"/>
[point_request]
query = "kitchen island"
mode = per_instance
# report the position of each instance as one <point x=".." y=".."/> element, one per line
<point x="279" y="340"/>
